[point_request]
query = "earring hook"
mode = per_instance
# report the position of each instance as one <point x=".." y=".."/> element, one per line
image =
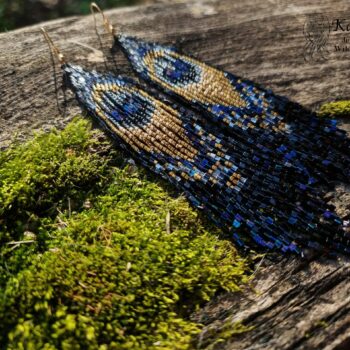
<point x="55" y="51"/>
<point x="94" y="8"/>
<point x="53" y="47"/>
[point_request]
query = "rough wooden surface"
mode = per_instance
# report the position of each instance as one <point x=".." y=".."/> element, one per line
<point x="294" y="306"/>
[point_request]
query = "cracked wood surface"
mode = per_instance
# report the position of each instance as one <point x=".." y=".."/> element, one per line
<point x="293" y="305"/>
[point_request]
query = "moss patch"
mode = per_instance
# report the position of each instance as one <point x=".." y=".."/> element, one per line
<point x="216" y="337"/>
<point x="95" y="256"/>
<point x="335" y="109"/>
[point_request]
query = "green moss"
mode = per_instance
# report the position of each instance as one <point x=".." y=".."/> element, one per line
<point x="109" y="271"/>
<point x="335" y="109"/>
<point x="44" y="171"/>
<point x="216" y="336"/>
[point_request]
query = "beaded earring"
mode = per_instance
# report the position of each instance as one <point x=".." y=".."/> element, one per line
<point x="254" y="199"/>
<point x="273" y="124"/>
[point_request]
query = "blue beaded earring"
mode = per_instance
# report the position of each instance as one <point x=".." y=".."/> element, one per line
<point x="240" y="189"/>
<point x="273" y="124"/>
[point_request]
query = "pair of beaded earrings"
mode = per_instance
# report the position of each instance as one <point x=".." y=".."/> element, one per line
<point x="253" y="161"/>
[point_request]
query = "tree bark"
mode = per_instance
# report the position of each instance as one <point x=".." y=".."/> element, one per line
<point x="294" y="305"/>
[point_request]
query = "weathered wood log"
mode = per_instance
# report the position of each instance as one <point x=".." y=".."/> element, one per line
<point x="294" y="305"/>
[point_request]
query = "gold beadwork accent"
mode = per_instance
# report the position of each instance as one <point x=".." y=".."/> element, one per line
<point x="214" y="87"/>
<point x="164" y="132"/>
<point x="234" y="178"/>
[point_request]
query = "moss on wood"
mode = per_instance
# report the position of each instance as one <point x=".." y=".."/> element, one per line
<point x="96" y="256"/>
<point x="335" y="109"/>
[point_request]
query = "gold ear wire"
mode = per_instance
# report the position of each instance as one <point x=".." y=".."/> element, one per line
<point x="107" y="24"/>
<point x="53" y="47"/>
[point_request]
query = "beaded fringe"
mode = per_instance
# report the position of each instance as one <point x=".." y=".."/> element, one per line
<point x="256" y="176"/>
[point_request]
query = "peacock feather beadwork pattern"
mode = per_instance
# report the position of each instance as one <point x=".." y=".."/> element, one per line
<point x="231" y="100"/>
<point x="239" y="186"/>
<point x="283" y="129"/>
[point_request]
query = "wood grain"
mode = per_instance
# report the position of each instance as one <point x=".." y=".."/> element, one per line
<point x="294" y="306"/>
